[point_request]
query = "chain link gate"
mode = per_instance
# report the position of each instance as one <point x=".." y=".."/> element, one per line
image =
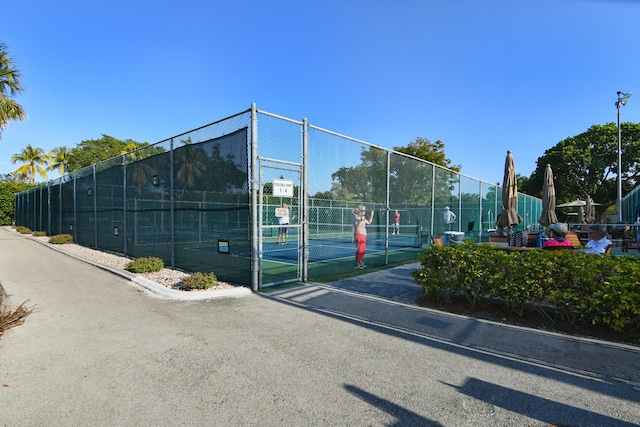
<point x="280" y="228"/>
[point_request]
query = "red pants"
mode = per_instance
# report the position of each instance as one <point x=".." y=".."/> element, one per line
<point x="361" y="246"/>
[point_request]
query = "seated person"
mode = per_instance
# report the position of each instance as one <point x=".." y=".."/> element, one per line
<point x="598" y="242"/>
<point x="558" y="232"/>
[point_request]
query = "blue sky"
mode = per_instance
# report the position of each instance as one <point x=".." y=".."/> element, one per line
<point x="482" y="77"/>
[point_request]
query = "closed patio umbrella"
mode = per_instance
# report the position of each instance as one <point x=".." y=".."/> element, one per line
<point x="548" y="215"/>
<point x="509" y="216"/>
<point x="590" y="211"/>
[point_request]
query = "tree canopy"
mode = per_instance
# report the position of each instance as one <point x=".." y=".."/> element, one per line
<point x="586" y="165"/>
<point x="410" y="180"/>
<point x="33" y="160"/>
<point x="91" y="151"/>
<point x="10" y="86"/>
<point x="432" y="152"/>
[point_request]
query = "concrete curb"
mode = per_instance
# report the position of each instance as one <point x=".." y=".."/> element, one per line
<point x="155" y="288"/>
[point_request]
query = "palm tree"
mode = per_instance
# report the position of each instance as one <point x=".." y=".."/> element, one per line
<point x="32" y="159"/>
<point x="9" y="87"/>
<point x="59" y="160"/>
<point x="191" y="167"/>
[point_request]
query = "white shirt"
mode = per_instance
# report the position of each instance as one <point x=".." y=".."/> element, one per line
<point x="284" y="219"/>
<point x="449" y="216"/>
<point x="597" y="246"/>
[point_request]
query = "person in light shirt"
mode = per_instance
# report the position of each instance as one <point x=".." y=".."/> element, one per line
<point x="449" y="217"/>
<point x="598" y="242"/>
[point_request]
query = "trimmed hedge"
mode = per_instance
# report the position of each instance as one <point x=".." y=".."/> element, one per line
<point x="580" y="288"/>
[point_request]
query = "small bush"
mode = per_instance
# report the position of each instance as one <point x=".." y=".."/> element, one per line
<point x="39" y="233"/>
<point x="145" y="265"/>
<point x="23" y="230"/>
<point x="199" y="281"/>
<point x="61" y="239"/>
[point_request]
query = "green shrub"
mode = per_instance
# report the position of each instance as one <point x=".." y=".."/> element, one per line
<point x="39" y="233"/>
<point x="8" y="191"/>
<point x="575" y="287"/>
<point x="199" y="281"/>
<point x="61" y="239"/>
<point x="23" y="230"/>
<point x="145" y="265"/>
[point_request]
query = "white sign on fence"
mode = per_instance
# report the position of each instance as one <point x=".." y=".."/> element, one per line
<point x="283" y="188"/>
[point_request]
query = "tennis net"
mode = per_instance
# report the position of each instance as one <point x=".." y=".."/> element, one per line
<point x="402" y="236"/>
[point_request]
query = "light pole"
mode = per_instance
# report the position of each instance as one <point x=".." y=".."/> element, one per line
<point x="622" y="100"/>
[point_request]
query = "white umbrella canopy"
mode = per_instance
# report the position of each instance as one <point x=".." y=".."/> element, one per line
<point x="548" y="215"/>
<point x="509" y="216"/>
<point x="576" y="204"/>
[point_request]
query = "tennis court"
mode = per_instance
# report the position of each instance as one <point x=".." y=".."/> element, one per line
<point x="335" y="241"/>
<point x="326" y="242"/>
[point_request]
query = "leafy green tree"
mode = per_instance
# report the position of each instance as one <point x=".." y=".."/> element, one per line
<point x="432" y="152"/>
<point x="59" y="160"/>
<point x="586" y="165"/>
<point x="91" y="151"/>
<point x="410" y="180"/>
<point x="33" y="158"/>
<point x="523" y="182"/>
<point x="9" y="87"/>
<point x="356" y="183"/>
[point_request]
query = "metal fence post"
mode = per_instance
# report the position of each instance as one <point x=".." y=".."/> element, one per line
<point x="172" y="223"/>
<point x="460" y="202"/>
<point x="433" y="196"/>
<point x="95" y="209"/>
<point x="305" y="200"/>
<point x="255" y="263"/>
<point x="480" y="227"/>
<point x="60" y="207"/>
<point x="386" y="228"/>
<point x="124" y="204"/>
<point x="49" y="208"/>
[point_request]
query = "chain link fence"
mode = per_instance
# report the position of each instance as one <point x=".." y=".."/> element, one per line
<point x="190" y="200"/>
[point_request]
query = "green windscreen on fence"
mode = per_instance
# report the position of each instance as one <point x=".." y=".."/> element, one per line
<point x="186" y="203"/>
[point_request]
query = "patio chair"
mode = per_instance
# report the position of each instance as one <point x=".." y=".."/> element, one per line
<point x="575" y="240"/>
<point x="630" y="241"/>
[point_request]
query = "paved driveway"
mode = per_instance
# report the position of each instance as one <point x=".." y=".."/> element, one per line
<point x="101" y="351"/>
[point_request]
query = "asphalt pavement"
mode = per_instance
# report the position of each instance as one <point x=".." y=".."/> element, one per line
<point x="101" y="349"/>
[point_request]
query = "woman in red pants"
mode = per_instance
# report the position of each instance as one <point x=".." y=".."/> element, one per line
<point x="360" y="234"/>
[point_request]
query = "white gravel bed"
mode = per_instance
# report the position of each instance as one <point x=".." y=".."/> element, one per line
<point x="167" y="277"/>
